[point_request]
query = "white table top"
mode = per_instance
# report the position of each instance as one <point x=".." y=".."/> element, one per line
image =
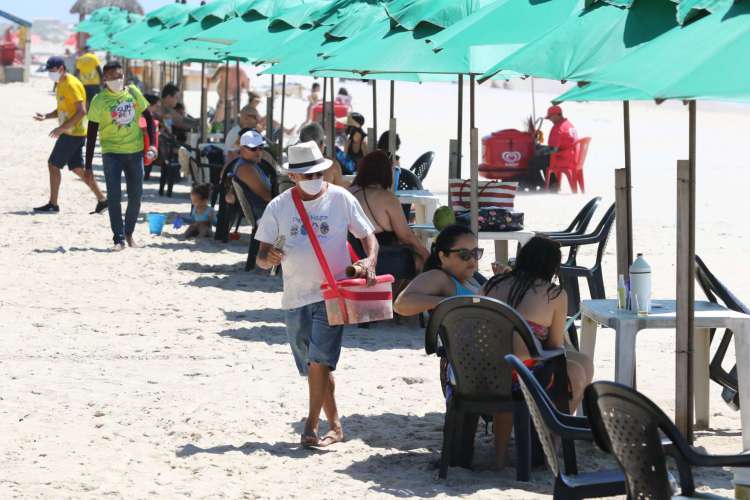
<point x="421" y="195"/>
<point x="522" y="236"/>
<point x="663" y="314"/>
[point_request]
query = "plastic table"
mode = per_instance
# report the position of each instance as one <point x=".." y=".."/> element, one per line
<point x="501" y="240"/>
<point x="663" y="315"/>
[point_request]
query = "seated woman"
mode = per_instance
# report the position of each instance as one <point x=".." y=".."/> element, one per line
<point x="373" y="189"/>
<point x="529" y="288"/>
<point x="449" y="271"/>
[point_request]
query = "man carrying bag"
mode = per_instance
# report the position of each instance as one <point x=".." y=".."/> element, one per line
<point x="331" y="212"/>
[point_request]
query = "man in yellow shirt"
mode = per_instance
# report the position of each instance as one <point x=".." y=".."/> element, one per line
<point x="70" y="135"/>
<point x="89" y="71"/>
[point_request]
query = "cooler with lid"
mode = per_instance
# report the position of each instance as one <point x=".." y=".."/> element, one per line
<point x="506" y="154"/>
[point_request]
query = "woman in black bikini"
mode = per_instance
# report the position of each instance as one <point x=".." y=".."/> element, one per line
<point x="372" y="188"/>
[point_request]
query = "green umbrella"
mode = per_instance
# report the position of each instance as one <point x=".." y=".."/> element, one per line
<point x="697" y="61"/>
<point x="99" y="19"/>
<point x="497" y="23"/>
<point x="132" y="38"/>
<point x="409" y="14"/>
<point x="102" y="40"/>
<point x="584" y="43"/>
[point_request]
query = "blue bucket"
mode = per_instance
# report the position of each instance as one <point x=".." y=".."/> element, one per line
<point x="156" y="222"/>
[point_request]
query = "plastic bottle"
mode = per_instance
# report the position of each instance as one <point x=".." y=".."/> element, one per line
<point x="622" y="291"/>
<point x="640" y="285"/>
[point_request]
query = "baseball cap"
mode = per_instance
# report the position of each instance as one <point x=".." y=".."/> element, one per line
<point x="54" y="62"/>
<point x="252" y="139"/>
<point x="554" y="110"/>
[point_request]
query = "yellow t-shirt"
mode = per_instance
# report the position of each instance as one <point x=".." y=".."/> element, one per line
<point x="69" y="92"/>
<point x="87" y="66"/>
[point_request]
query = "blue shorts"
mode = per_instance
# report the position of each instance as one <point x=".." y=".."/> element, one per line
<point x="312" y="339"/>
<point x="68" y="151"/>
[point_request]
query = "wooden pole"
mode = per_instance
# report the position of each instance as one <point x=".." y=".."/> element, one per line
<point x="628" y="181"/>
<point x="393" y="99"/>
<point x="203" y="102"/>
<point x="374" y="112"/>
<point x="686" y="283"/>
<point x="392" y="123"/>
<point x="283" y="106"/>
<point x="325" y="91"/>
<point x="237" y="92"/>
<point x="452" y="155"/>
<point x="460" y="135"/>
<point x="472" y="114"/>
<point x="332" y="123"/>
<point x="473" y="159"/>
<point x="226" y="99"/>
<point x="621" y="221"/>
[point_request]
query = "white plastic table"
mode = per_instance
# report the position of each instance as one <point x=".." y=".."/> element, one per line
<point x="501" y="241"/>
<point x="425" y="204"/>
<point x="663" y="316"/>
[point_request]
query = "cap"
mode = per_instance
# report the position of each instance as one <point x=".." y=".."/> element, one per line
<point x="554" y="110"/>
<point x="55" y="62"/>
<point x="306" y="158"/>
<point x="252" y="139"/>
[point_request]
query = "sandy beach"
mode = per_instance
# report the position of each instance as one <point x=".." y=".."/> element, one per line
<point x="164" y="371"/>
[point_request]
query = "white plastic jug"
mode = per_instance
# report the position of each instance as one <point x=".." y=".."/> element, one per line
<point x="640" y="286"/>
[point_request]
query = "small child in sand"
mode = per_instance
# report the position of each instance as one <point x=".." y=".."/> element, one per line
<point x="202" y="214"/>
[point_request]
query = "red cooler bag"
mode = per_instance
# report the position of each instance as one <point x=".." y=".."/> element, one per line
<point x="348" y="302"/>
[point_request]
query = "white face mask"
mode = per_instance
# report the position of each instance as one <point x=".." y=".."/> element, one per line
<point x="311" y="186"/>
<point x="116" y="85"/>
<point x="54" y="76"/>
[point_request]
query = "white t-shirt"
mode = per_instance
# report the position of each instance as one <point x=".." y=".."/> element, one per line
<point x="332" y="216"/>
<point x="233" y="136"/>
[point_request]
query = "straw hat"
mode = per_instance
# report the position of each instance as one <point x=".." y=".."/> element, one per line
<point x="305" y="158"/>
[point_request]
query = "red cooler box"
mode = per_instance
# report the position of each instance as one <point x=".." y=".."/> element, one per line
<point x="340" y="110"/>
<point x="506" y="154"/>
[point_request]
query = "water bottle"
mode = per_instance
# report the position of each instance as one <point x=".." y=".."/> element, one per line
<point x="640" y="286"/>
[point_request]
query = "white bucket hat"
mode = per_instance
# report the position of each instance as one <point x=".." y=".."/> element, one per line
<point x="306" y="158"/>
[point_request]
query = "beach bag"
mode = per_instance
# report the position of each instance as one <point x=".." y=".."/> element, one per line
<point x="351" y="301"/>
<point x="493" y="220"/>
<point x="491" y="194"/>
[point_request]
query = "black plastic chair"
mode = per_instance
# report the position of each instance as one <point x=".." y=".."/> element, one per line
<point x="421" y="166"/>
<point x="580" y="222"/>
<point x="227" y="214"/>
<point x="717" y="292"/>
<point x="247" y="210"/>
<point x="476" y="332"/>
<point x="408" y="181"/>
<point x="571" y="271"/>
<point x="549" y="422"/>
<point x="629" y="425"/>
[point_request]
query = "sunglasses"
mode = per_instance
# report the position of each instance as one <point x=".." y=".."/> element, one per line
<point x="466" y="254"/>
<point x="252" y="149"/>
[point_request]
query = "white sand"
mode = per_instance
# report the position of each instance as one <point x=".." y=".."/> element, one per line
<point x="164" y="371"/>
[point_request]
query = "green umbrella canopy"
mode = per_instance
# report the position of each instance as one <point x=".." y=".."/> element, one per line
<point x="585" y="43"/>
<point x="701" y="60"/>
<point x="132" y="38"/>
<point x="497" y="23"/>
<point x="251" y="16"/>
<point x="102" y="40"/>
<point x="409" y="14"/>
<point x="602" y="92"/>
<point x="688" y="9"/>
<point x="99" y="19"/>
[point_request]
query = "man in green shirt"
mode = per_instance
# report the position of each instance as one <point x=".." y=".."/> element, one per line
<point x="114" y="115"/>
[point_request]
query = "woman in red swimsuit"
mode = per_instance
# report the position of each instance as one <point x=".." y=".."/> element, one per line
<point x="530" y="289"/>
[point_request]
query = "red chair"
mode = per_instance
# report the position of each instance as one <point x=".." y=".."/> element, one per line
<point x="574" y="174"/>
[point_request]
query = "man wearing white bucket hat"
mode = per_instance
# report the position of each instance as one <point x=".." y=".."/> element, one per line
<point x="333" y="212"/>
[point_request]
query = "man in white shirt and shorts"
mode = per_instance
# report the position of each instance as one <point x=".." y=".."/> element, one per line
<point x="333" y="213"/>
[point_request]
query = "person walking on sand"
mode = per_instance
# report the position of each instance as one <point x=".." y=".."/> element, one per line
<point x="89" y="71"/>
<point x="70" y="135"/>
<point x="333" y="212"/>
<point x="115" y="115"/>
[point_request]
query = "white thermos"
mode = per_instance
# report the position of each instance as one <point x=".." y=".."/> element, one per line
<point x="640" y="286"/>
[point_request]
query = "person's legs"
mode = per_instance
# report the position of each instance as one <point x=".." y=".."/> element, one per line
<point x="55" y="177"/>
<point x="317" y="383"/>
<point x="580" y="373"/>
<point x="58" y="158"/>
<point x="112" y="177"/>
<point x="90" y="182"/>
<point x="133" y="167"/>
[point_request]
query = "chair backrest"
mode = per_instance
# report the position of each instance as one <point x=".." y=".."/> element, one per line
<point x="582" y="149"/>
<point x="629" y="425"/>
<point x="408" y="181"/>
<point x="476" y="333"/>
<point x="422" y="166"/>
<point x="543" y="413"/>
<point x="602" y="232"/>
<point x="270" y="170"/>
<point x="581" y="222"/>
<point x="247" y="208"/>
<point x="715" y="290"/>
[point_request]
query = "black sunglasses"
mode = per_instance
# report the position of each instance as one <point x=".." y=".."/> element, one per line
<point x="465" y="254"/>
<point x="251" y="148"/>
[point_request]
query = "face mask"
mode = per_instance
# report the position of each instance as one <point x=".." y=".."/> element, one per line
<point x="115" y="85"/>
<point x="311" y="186"/>
<point x="54" y="76"/>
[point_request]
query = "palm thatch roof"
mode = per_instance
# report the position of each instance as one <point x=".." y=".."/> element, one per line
<point x="86" y="7"/>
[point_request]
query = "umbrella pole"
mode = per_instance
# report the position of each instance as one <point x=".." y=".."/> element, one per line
<point x="623" y="191"/>
<point x="628" y="179"/>
<point x="374" y="112"/>
<point x="203" y="102"/>
<point x="283" y="106"/>
<point x="474" y="155"/>
<point x="237" y="90"/>
<point x="332" y="135"/>
<point x="226" y="99"/>
<point x="533" y="101"/>
<point x="392" y="123"/>
<point x="460" y="136"/>
<point x="685" y="284"/>
<point x="325" y="92"/>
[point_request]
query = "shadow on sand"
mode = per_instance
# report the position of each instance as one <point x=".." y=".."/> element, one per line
<point x="290" y="450"/>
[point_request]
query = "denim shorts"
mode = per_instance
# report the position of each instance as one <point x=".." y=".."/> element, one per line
<point x="312" y="339"/>
<point x="68" y="151"/>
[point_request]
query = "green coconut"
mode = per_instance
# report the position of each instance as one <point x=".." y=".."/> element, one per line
<point x="443" y="218"/>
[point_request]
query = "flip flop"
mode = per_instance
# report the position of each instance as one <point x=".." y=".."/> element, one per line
<point x="310" y="441"/>
<point x="329" y="439"/>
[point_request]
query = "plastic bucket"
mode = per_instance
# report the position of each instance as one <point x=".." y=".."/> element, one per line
<point x="156" y="223"/>
<point x="363" y="304"/>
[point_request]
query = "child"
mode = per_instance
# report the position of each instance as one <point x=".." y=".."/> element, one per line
<point x="202" y="214"/>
